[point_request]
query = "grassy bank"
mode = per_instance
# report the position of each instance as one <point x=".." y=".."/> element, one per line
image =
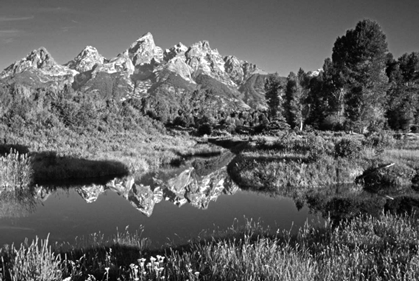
<point x="310" y="161"/>
<point x="367" y="248"/>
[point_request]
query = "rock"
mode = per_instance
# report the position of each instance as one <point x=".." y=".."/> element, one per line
<point x="144" y="50"/>
<point x="177" y="50"/>
<point x="122" y="63"/>
<point x="178" y="65"/>
<point x="144" y="70"/>
<point x="39" y="60"/>
<point x="86" y="60"/>
<point x="203" y="59"/>
<point x="239" y="71"/>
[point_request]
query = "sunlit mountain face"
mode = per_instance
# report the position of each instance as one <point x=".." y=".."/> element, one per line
<point x="197" y="76"/>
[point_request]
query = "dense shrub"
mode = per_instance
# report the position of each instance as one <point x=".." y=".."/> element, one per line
<point x="385" y="177"/>
<point x="348" y="148"/>
<point x="380" y="140"/>
<point x="204" y="129"/>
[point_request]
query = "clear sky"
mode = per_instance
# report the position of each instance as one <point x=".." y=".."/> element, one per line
<point x="279" y="36"/>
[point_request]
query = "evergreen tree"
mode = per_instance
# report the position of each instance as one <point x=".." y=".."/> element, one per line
<point x="294" y="102"/>
<point x="359" y="58"/>
<point x="273" y="96"/>
<point x="403" y="94"/>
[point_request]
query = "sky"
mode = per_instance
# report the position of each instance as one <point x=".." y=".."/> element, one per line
<point x="278" y="36"/>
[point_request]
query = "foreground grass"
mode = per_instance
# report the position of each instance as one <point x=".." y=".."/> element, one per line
<point x="365" y="248"/>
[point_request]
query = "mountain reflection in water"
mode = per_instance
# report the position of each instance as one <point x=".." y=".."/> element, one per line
<point x="77" y="209"/>
<point x="202" y="181"/>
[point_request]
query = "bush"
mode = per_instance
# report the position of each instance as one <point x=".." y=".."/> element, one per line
<point x="204" y="129"/>
<point x="348" y="148"/>
<point x="380" y="140"/>
<point x="385" y="177"/>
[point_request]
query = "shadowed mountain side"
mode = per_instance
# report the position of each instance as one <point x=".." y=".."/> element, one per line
<point x="253" y="91"/>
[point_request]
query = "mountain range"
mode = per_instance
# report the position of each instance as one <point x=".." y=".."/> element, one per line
<point x="196" y="75"/>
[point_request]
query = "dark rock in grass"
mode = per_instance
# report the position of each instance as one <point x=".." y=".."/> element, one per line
<point x="385" y="178"/>
<point x="402" y="205"/>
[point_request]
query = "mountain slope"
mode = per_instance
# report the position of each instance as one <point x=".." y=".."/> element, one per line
<point x="195" y="74"/>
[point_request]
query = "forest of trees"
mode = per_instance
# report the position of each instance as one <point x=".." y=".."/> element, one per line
<point x="362" y="87"/>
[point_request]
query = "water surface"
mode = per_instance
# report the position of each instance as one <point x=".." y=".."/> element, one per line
<point x="171" y="205"/>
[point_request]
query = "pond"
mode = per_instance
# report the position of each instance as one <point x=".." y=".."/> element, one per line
<point x="172" y="205"/>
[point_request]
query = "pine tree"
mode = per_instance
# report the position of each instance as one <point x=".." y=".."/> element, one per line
<point x="273" y="97"/>
<point x="294" y="102"/>
<point x="403" y="95"/>
<point x="359" y="57"/>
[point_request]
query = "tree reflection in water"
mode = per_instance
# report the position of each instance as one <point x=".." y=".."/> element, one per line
<point x="20" y="201"/>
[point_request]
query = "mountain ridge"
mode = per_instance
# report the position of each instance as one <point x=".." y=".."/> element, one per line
<point x="139" y="70"/>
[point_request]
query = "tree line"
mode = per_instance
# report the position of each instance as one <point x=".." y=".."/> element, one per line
<point x="361" y="87"/>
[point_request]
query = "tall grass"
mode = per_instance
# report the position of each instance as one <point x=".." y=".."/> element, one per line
<point x="406" y="157"/>
<point x="35" y="262"/>
<point x="15" y="170"/>
<point x="365" y="248"/>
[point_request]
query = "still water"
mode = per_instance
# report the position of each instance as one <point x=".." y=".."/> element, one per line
<point x="171" y="205"/>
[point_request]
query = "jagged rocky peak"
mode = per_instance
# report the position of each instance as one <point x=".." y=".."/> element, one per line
<point x="144" y="50"/>
<point x="233" y="67"/>
<point x="201" y="47"/>
<point x="37" y="59"/>
<point x="86" y="59"/>
<point x="239" y="70"/>
<point x="177" y="50"/>
<point x="202" y="58"/>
